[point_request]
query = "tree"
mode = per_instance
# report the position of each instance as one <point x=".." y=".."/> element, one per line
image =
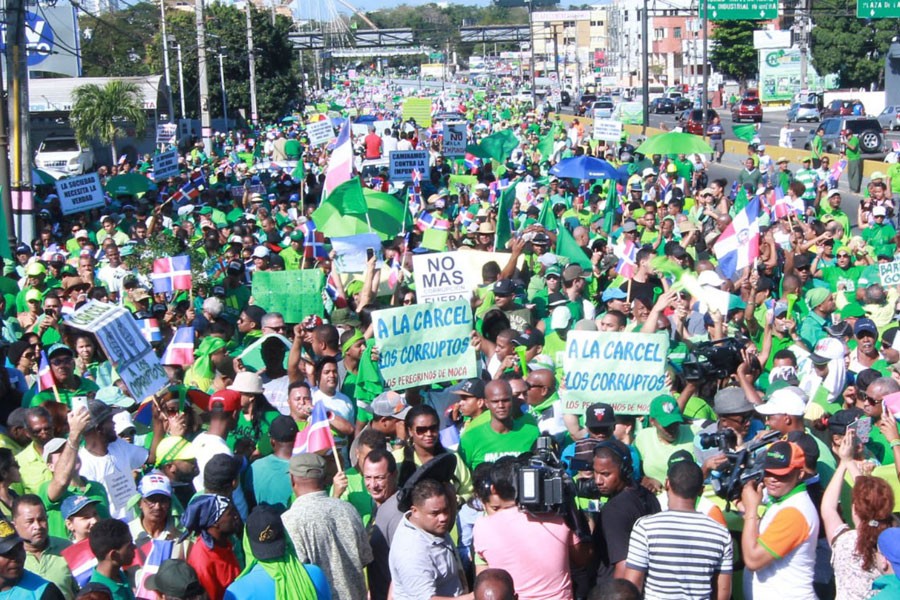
<point x="99" y="113"/>
<point x="732" y="54"/>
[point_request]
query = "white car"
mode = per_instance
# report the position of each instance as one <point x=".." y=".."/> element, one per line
<point x="602" y="109"/>
<point x="64" y="154"/>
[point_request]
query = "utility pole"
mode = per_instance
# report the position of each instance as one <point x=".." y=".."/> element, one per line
<point x="645" y="67"/>
<point x="22" y="199"/>
<point x="556" y="48"/>
<point x="162" y="13"/>
<point x="253" y="114"/>
<point x="804" y="45"/>
<point x="533" y="75"/>
<point x="181" y="81"/>
<point x="222" y="80"/>
<point x="205" y="129"/>
<point x="4" y="177"/>
<point x="704" y="97"/>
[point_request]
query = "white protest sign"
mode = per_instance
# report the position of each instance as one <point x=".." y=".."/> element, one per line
<point x="165" y="165"/>
<point x="404" y="162"/>
<point x="625" y="370"/>
<point x="443" y="277"/>
<point x="889" y="273"/>
<point x="320" y="132"/>
<point x="352" y="252"/>
<point x="128" y="351"/>
<point x="715" y="300"/>
<point x="166" y="133"/>
<point x="77" y="194"/>
<point x="607" y="130"/>
<point x="455" y="139"/>
<point x="380" y="126"/>
<point x="359" y="129"/>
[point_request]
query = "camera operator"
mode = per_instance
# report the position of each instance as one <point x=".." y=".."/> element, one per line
<point x="734" y="426"/>
<point x="780" y="548"/>
<point x="626" y="503"/>
<point x="536" y="549"/>
<point x="602" y="423"/>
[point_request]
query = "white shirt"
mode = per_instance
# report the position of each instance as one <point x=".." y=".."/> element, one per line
<point x="339" y="404"/>
<point x="115" y="471"/>
<point x="207" y="445"/>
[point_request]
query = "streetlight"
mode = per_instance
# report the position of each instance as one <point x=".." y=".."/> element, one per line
<point x="222" y="79"/>
<point x="177" y="45"/>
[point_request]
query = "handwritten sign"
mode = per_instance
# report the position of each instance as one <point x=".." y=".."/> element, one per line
<point x="320" y="132"/>
<point x="165" y="165"/>
<point x="404" y="162"/>
<point x="425" y="343"/>
<point x="625" y="370"/>
<point x="889" y="273"/>
<point x="78" y="194"/>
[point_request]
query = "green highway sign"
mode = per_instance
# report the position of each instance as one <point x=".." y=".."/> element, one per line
<point x="877" y="9"/>
<point x="734" y="10"/>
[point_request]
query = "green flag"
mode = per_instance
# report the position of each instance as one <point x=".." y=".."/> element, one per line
<point x="497" y="146"/>
<point x="740" y="201"/>
<point x="348" y="197"/>
<point x="744" y="132"/>
<point x="504" y="227"/>
<point x="545" y="145"/>
<point x="547" y="218"/>
<point x="369" y="382"/>
<point x="567" y="246"/>
<point x="611" y="208"/>
<point x="297" y="174"/>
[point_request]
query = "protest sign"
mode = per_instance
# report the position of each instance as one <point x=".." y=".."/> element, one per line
<point x="128" y="351"/>
<point x="607" y="130"/>
<point x="165" y="165"/>
<point x="359" y="129"/>
<point x="295" y="294"/>
<point x="418" y="109"/>
<point x="77" y="194"/>
<point x="455" y="139"/>
<point x="352" y="252"/>
<point x="624" y="370"/>
<point x="425" y="343"/>
<point x="404" y="162"/>
<point x="443" y="277"/>
<point x="166" y="132"/>
<point x="320" y="132"/>
<point x="889" y="273"/>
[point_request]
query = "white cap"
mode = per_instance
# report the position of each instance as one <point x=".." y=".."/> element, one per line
<point x="547" y="259"/>
<point x="235" y="239"/>
<point x="878" y="211"/>
<point x="561" y="318"/>
<point x="122" y="421"/>
<point x="481" y="186"/>
<point x="761" y="147"/>
<point x="261" y="252"/>
<point x="83" y="233"/>
<point x="788" y="400"/>
<point x="710" y="278"/>
<point x="185" y="210"/>
<point x="647" y="172"/>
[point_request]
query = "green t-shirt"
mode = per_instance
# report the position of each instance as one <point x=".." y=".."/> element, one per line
<point x="483" y="444"/>
<point x="86" y="387"/>
<point x="655" y="454"/>
<point x="852" y="148"/>
<point x="357" y="495"/>
<point x="836" y="276"/>
<point x="121" y="590"/>
<point x="244" y="429"/>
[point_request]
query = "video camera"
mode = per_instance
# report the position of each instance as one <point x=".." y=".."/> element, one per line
<point x="724" y="440"/>
<point x="742" y="466"/>
<point x="543" y="486"/>
<point x="714" y="360"/>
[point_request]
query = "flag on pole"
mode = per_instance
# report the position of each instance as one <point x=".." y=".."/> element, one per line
<point x="627" y="260"/>
<point x="298" y="174"/>
<point x="170" y="274"/>
<point x="180" y="350"/>
<point x="150" y="330"/>
<point x="335" y="290"/>
<point x="45" y="375"/>
<point x="340" y="165"/>
<point x="313" y="241"/>
<point x="738" y="246"/>
<point x="317" y="435"/>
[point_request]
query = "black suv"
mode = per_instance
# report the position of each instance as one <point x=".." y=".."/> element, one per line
<point x="871" y="135"/>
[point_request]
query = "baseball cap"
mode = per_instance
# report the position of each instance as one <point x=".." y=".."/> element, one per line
<point x="504" y="287"/>
<point x="529" y="338"/>
<point x="560" y="318"/>
<point x="788" y="400"/>
<point x="665" y="410"/>
<point x="470" y="387"/>
<point x="827" y="349"/>
<point x="283" y="429"/>
<point x="59" y="349"/>
<point x="225" y="401"/>
<point x="647" y="172"/>
<point x="154" y="483"/>
<point x="599" y="414"/>
<point x="100" y="412"/>
<point x="629" y="225"/>
<point x="307" y="466"/>
<point x="33" y="295"/>
<point x="172" y="448"/>
<point x="390" y="404"/>
<point x="261" y="252"/>
<point x="265" y="533"/>
<point x="52" y="447"/>
<point x="35" y="269"/>
<point x="9" y="539"/>
<point x="879" y="211"/>
<point x="553" y="271"/>
<point x="782" y="458"/>
<point x="23" y="249"/>
<point x="889" y="546"/>
<point x="710" y="278"/>
<point x="852" y="311"/>
<point x="731" y="401"/>
<point x="174" y="579"/>
<point x="573" y="272"/>
<point x="72" y="505"/>
<point x="780" y="308"/>
<point x="865" y="325"/>
<point x="613" y="293"/>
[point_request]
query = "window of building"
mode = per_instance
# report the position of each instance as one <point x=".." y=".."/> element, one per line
<point x="676" y="33"/>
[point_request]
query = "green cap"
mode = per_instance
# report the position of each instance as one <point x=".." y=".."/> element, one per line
<point x="298" y="236"/>
<point x="816" y="296"/>
<point x="553" y="270"/>
<point x="665" y="410"/>
<point x="851" y="311"/>
<point x="206" y="210"/>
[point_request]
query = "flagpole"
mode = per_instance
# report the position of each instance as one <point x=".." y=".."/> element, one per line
<point x="334" y="452"/>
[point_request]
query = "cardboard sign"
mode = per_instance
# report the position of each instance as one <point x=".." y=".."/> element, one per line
<point x="166" y="133"/>
<point x="295" y="294"/>
<point x="455" y="139"/>
<point x="320" y="132"/>
<point x="165" y="165"/>
<point x="404" y="162"/>
<point x="625" y="370"/>
<point x="425" y="343"/>
<point x="78" y="194"/>
<point x="128" y="351"/>
<point x="352" y="252"/>
<point x="889" y="273"/>
<point x="607" y="130"/>
<point x="418" y="109"/>
<point x="443" y="277"/>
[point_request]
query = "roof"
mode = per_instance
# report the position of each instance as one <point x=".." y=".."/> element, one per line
<point x="55" y="95"/>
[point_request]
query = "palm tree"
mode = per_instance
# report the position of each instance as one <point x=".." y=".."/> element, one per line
<point x="99" y="113"/>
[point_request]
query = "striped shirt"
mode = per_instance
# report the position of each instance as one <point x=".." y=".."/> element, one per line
<point x="808" y="178"/>
<point x="679" y="552"/>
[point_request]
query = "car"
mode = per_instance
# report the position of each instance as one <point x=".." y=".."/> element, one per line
<point x="844" y="108"/>
<point x="602" y="109"/>
<point x="693" y="122"/>
<point x="890" y="117"/>
<point x="63" y="153"/>
<point x="683" y="103"/>
<point x="566" y="98"/>
<point x="748" y="109"/>
<point x="803" y="111"/>
<point x="585" y="103"/>
<point x="662" y="106"/>
<point x="869" y="130"/>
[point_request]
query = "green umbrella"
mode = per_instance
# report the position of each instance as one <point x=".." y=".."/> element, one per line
<point x="385" y="216"/>
<point x="129" y="184"/>
<point x="40" y="177"/>
<point x="674" y="143"/>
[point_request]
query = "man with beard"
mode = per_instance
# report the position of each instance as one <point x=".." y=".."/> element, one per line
<point x="519" y="316"/>
<point x="42" y="552"/>
<point x="176" y="460"/>
<point x="68" y="384"/>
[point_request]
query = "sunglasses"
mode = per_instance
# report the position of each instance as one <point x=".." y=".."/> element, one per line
<point x="56" y="362"/>
<point x="803" y="268"/>
<point x="422" y="430"/>
<point x="843" y="255"/>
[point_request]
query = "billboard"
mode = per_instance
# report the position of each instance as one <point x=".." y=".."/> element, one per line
<point x="779" y="75"/>
<point x="51" y="34"/>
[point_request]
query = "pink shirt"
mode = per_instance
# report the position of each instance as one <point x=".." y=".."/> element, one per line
<point x="536" y="553"/>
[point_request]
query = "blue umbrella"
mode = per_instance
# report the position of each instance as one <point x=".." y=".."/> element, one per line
<point x="584" y="167"/>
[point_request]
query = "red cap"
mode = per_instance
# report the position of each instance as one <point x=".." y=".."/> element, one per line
<point x="225" y="401"/>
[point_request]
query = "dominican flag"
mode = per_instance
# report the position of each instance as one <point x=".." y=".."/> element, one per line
<point x="738" y="246"/>
<point x="186" y="193"/>
<point x="471" y="162"/>
<point x="425" y="221"/>
<point x="180" y="350"/>
<point x="45" y="375"/>
<point x="583" y="192"/>
<point x="317" y="435"/>
<point x="335" y="291"/>
<point x="170" y="274"/>
<point x="395" y="274"/>
<point x="442" y="224"/>
<point x="150" y="330"/>
<point x="153" y="553"/>
<point x="198" y="180"/>
<point x="81" y="561"/>
<point x="465" y="218"/>
<point x="836" y="171"/>
<point x="340" y="165"/>
<point x="628" y="260"/>
<point x="313" y="241"/>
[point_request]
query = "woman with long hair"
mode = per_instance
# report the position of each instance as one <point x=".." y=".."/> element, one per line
<point x="853" y="549"/>
<point x="423" y="443"/>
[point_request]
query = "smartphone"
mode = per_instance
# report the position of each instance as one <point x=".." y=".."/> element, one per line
<point x="892" y="403"/>
<point x="863" y="429"/>
<point x="370" y="252"/>
<point x="79" y="402"/>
